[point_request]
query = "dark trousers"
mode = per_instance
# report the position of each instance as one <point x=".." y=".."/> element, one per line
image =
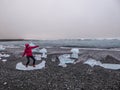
<point x="28" y="60"/>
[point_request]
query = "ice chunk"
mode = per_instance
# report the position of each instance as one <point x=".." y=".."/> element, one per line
<point x="1" y="47"/>
<point x="38" y="57"/>
<point x="4" y="55"/>
<point x="4" y="60"/>
<point x="32" y="44"/>
<point x="111" y="66"/>
<point x="5" y="83"/>
<point x="65" y="59"/>
<point x="44" y="52"/>
<point x="75" y="52"/>
<point x="92" y="62"/>
<point x="20" y="66"/>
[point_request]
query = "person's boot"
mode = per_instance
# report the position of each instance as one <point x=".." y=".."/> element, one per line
<point x="26" y="66"/>
<point x="33" y="65"/>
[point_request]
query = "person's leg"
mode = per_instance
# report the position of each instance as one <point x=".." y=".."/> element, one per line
<point x="28" y="61"/>
<point x="33" y="61"/>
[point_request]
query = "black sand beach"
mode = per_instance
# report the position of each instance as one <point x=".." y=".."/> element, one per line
<point x="53" y="77"/>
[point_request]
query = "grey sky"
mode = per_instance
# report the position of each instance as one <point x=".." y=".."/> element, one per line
<point x="59" y="19"/>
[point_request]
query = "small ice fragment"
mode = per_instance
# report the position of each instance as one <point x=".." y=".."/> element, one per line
<point x="4" y="60"/>
<point x="44" y="53"/>
<point x="38" y="57"/>
<point x="65" y="59"/>
<point x="1" y="47"/>
<point x="75" y="52"/>
<point x="4" y="55"/>
<point x="5" y="83"/>
<point x="92" y="62"/>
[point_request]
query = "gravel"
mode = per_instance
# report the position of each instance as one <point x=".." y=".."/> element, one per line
<point x="74" y="77"/>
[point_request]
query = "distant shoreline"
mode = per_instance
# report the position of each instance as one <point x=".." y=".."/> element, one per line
<point x="76" y="43"/>
<point x="81" y="39"/>
<point x="12" y="39"/>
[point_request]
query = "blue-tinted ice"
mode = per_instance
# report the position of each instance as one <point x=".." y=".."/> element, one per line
<point x="93" y="62"/>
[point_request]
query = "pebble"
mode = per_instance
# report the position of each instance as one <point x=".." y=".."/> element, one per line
<point x="5" y="83"/>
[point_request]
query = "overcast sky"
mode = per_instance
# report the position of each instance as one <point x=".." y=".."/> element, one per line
<point x="59" y="19"/>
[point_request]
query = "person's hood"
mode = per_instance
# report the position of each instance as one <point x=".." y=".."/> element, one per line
<point x="26" y="45"/>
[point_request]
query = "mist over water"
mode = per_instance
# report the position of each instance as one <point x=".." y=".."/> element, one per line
<point x="59" y="19"/>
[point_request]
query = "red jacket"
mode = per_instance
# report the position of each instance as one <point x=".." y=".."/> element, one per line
<point x="28" y="50"/>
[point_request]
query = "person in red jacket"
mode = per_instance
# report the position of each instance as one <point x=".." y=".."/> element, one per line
<point x="28" y="53"/>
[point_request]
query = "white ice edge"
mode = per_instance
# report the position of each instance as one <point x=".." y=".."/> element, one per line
<point x="43" y="50"/>
<point x="111" y="66"/>
<point x="38" y="57"/>
<point x="20" y="66"/>
<point x="4" y="55"/>
<point x="4" y="60"/>
<point x="93" y="62"/>
<point x="2" y="47"/>
<point x="64" y="59"/>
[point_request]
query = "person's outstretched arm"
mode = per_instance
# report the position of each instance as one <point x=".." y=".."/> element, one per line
<point x="34" y="47"/>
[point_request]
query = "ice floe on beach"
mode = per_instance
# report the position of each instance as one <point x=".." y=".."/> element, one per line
<point x="38" y="57"/>
<point x="111" y="66"/>
<point x="93" y="62"/>
<point x="3" y="57"/>
<point x="44" y="53"/>
<point x="4" y="60"/>
<point x="75" y="52"/>
<point x="20" y="66"/>
<point x="2" y="47"/>
<point x="68" y="58"/>
<point x="64" y="59"/>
